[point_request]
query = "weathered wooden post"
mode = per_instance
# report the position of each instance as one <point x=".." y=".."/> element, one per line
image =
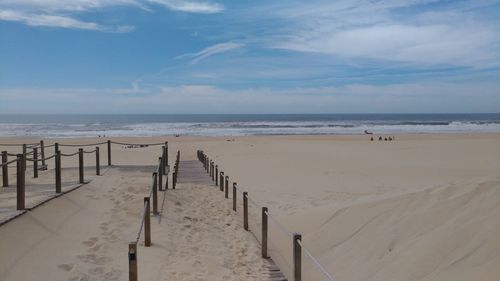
<point x="20" y="182"/>
<point x="216" y="175"/>
<point x="221" y="181"/>
<point x="132" y="261"/>
<point x="147" y="223"/>
<point x="56" y="147"/>
<point x="234" y="196"/>
<point x="35" y="162"/>
<point x="5" y="169"/>
<point x="165" y="158"/>
<point x="226" y="188"/>
<point x="155" y="194"/>
<point x="42" y="153"/>
<point x="162" y="162"/>
<point x="109" y="152"/>
<point x="58" y="171"/>
<point x="264" y="232"/>
<point x="245" y="210"/>
<point x="97" y="162"/>
<point x="297" y="257"/>
<point x="160" y="173"/>
<point x="80" y="164"/>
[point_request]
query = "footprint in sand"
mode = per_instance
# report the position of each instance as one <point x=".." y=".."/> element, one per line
<point x="66" y="266"/>
<point x="91" y="242"/>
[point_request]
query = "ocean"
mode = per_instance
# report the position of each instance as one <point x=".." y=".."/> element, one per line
<point x="55" y="126"/>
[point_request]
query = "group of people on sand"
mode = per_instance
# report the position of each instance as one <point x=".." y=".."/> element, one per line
<point x="384" y="138"/>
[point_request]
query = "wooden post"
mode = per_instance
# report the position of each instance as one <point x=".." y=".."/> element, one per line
<point x="58" y="171"/>
<point x="165" y="158"/>
<point x="42" y="152"/>
<point x="147" y="223"/>
<point x="216" y="175"/>
<point x="56" y="147"/>
<point x="226" y="188"/>
<point x="97" y="162"/>
<point x="132" y="261"/>
<point x="160" y="173"/>
<point x="80" y="164"/>
<point x="234" y="196"/>
<point x="35" y="162"/>
<point x="297" y="257"/>
<point x="264" y="232"/>
<point x="245" y="210"/>
<point x="162" y="163"/>
<point x="221" y="181"/>
<point x="155" y="194"/>
<point x="20" y="182"/>
<point x="5" y="169"/>
<point x="109" y="153"/>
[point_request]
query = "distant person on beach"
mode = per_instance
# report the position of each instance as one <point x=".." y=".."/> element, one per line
<point x="371" y="139"/>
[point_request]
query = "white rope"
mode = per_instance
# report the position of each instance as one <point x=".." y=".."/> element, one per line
<point x="316" y="262"/>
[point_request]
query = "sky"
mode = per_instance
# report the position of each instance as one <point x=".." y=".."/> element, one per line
<point x="215" y="56"/>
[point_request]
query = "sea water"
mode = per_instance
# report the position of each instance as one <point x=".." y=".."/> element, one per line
<point x="243" y="124"/>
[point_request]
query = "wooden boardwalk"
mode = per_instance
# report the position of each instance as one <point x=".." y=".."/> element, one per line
<point x="192" y="172"/>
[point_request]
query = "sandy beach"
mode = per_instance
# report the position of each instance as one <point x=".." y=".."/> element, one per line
<point x="421" y="207"/>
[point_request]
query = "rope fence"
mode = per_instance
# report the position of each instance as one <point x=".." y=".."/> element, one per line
<point x="157" y="185"/>
<point x="294" y="254"/>
<point x="37" y="156"/>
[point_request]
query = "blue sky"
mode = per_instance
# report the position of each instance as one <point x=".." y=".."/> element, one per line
<point x="176" y="56"/>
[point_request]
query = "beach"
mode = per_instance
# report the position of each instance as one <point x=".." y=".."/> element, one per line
<point x="420" y="207"/>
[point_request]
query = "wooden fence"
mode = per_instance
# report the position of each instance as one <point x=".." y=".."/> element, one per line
<point x="297" y="246"/>
<point x="37" y="156"/>
<point x="163" y="169"/>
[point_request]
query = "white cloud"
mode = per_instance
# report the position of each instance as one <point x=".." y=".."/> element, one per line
<point x="431" y="44"/>
<point x="61" y="13"/>
<point x="449" y="35"/>
<point x="58" y="21"/>
<point x="191" y="6"/>
<point x="210" y="51"/>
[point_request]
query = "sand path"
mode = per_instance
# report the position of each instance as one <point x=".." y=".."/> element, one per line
<point x="83" y="235"/>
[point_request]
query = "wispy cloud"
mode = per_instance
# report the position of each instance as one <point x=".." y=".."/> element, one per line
<point x="210" y="51"/>
<point x="62" y="13"/>
<point x="191" y="6"/>
<point x="59" y="21"/>
<point x="415" y="32"/>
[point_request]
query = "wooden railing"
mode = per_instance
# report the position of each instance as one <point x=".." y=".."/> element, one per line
<point x="298" y="247"/>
